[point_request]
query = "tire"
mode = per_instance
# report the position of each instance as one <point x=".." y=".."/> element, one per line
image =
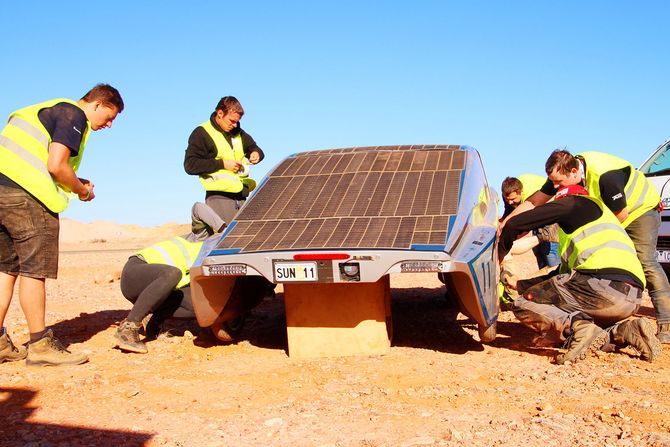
<point x="488" y="334"/>
<point x="228" y="331"/>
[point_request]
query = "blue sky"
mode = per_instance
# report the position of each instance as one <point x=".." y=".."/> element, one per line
<point x="513" y="79"/>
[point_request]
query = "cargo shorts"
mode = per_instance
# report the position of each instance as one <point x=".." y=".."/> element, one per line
<point x="28" y="235"/>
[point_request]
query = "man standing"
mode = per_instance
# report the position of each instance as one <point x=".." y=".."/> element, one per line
<point x="218" y="151"/>
<point x="599" y="282"/>
<point x="633" y="200"/>
<point x="41" y="147"/>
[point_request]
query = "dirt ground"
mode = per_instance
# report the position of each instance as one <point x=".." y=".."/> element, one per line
<point x="437" y="386"/>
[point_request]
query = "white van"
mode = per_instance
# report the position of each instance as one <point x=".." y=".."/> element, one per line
<point x="657" y="169"/>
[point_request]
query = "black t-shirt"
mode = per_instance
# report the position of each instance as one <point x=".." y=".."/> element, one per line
<point x="570" y="213"/>
<point x="65" y="123"/>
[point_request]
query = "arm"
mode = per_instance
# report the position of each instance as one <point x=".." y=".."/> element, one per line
<point x="251" y="150"/>
<point x="622" y="215"/>
<point x="550" y="213"/>
<point x="536" y="199"/>
<point x="63" y="174"/>
<point x="200" y="156"/>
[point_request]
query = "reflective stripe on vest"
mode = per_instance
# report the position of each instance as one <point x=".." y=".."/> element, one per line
<point x="641" y="195"/>
<point x="600" y="244"/>
<point x="177" y="252"/>
<point x="223" y="179"/>
<point x="24" y="151"/>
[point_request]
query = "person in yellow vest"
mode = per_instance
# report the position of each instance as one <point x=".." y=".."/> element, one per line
<point x="598" y="284"/>
<point x="633" y="200"/>
<point x="41" y="148"/>
<point x="220" y="153"/>
<point x="156" y="279"/>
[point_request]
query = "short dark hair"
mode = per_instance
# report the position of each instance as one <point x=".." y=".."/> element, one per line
<point x="562" y="161"/>
<point x="106" y="94"/>
<point x="229" y="104"/>
<point x="510" y="185"/>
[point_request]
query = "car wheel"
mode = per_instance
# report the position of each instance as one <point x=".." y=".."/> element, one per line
<point x="227" y="331"/>
<point x="488" y="334"/>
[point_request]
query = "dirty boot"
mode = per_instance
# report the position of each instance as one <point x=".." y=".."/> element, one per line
<point x="48" y="351"/>
<point x="586" y="337"/>
<point x="127" y="337"/>
<point x="663" y="334"/>
<point x="638" y="333"/>
<point x="9" y="352"/>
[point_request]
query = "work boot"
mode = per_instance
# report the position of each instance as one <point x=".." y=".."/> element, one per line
<point x="638" y="333"/>
<point x="586" y="337"/>
<point x="127" y="337"/>
<point x="48" y="351"/>
<point x="663" y="333"/>
<point x="9" y="352"/>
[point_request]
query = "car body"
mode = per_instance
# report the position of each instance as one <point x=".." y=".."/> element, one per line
<point x="354" y="215"/>
<point x="657" y="170"/>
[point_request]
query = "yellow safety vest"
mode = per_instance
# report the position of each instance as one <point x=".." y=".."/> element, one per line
<point x="531" y="183"/>
<point x="600" y="244"/>
<point x="24" y="151"/>
<point x="223" y="179"/>
<point x="641" y="195"/>
<point x="177" y="252"/>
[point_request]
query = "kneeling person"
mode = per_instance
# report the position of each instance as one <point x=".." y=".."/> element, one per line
<point x="156" y="279"/>
<point x="598" y="284"/>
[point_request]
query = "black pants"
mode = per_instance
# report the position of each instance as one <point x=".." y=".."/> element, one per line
<point x="151" y="289"/>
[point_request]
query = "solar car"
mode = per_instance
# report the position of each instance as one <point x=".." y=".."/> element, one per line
<point x="328" y="222"/>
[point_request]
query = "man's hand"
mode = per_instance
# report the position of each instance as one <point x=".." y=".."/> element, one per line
<point x="232" y="165"/>
<point x="89" y="194"/>
<point x="254" y="157"/>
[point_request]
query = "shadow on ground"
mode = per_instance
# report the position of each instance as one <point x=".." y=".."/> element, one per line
<point x="86" y="325"/>
<point x="16" y="430"/>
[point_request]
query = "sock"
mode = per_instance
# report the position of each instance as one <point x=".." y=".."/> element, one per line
<point x="34" y="336"/>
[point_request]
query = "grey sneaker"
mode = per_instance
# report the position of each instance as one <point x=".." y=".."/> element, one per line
<point x="9" y="352"/>
<point x="48" y="351"/>
<point x="663" y="333"/>
<point x="127" y="337"/>
<point x="638" y="333"/>
<point x="586" y="337"/>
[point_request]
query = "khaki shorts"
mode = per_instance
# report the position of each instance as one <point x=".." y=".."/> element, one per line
<point x="28" y="235"/>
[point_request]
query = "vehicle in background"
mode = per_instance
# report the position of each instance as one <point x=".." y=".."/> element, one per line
<point x="657" y="169"/>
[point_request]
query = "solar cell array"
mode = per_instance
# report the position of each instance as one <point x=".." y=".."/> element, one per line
<point x="365" y="197"/>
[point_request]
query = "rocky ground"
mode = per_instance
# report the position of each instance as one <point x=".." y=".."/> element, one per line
<point x="437" y="386"/>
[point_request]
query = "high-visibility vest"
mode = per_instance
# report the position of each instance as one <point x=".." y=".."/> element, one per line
<point x="641" y="195"/>
<point x="24" y="151"/>
<point x="602" y="243"/>
<point x="531" y="183"/>
<point x="223" y="179"/>
<point x="177" y="252"/>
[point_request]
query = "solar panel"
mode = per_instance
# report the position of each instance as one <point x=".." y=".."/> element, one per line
<point x="388" y="197"/>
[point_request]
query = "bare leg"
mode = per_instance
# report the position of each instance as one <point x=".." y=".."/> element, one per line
<point x="6" y="290"/>
<point x="32" y="295"/>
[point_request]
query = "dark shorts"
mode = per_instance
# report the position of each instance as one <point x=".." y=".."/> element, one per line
<point x="28" y="235"/>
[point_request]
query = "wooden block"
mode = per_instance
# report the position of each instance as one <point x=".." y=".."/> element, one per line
<point x="338" y="319"/>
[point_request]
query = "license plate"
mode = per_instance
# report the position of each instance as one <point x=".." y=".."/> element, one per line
<point x="295" y="271"/>
<point x="663" y="256"/>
